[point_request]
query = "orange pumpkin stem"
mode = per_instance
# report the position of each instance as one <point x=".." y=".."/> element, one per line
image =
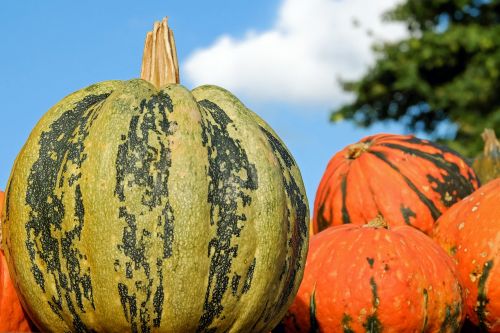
<point x="355" y="150"/>
<point x="159" y="61"/>
<point x="491" y="143"/>
<point x="378" y="222"/>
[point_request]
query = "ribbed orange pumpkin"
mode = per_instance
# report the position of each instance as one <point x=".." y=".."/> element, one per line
<point x="372" y="279"/>
<point x="405" y="179"/>
<point x="470" y="232"/>
<point x="12" y="317"/>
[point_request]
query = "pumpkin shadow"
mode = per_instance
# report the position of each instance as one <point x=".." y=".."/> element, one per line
<point x="469" y="327"/>
<point x="299" y="320"/>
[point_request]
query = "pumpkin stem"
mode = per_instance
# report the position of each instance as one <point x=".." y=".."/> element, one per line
<point x="355" y="150"/>
<point x="159" y="61"/>
<point x="491" y="144"/>
<point x="377" y="222"/>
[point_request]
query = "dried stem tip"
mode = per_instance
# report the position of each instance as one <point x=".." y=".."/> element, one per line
<point x="491" y="144"/>
<point x="159" y="61"/>
<point x="355" y="150"/>
<point x="377" y="222"/>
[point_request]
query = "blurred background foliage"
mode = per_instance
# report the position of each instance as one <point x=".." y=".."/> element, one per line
<point x="443" y="79"/>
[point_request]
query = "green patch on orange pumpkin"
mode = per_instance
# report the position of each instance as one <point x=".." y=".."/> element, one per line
<point x="370" y="261"/>
<point x="345" y="213"/>
<point x="407" y="214"/>
<point x="427" y="202"/>
<point x="451" y="322"/>
<point x="346" y="320"/>
<point x="321" y="222"/>
<point x="451" y="178"/>
<point x="425" y="294"/>
<point x="373" y="324"/>
<point x="482" y="300"/>
<point x="312" y="314"/>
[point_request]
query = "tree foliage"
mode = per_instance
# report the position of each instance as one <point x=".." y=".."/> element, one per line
<point x="443" y="79"/>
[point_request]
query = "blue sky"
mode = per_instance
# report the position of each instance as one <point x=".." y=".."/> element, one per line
<point x="261" y="50"/>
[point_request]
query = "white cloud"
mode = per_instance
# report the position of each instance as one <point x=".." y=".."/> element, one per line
<point x="312" y="44"/>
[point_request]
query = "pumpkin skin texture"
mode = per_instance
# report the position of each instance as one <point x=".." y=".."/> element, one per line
<point x="407" y="180"/>
<point x="132" y="208"/>
<point x="360" y="278"/>
<point x="12" y="317"/>
<point x="470" y="233"/>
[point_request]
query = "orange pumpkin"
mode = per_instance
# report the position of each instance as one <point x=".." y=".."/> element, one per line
<point x="12" y="318"/>
<point x="405" y="179"/>
<point x="470" y="232"/>
<point x="372" y="279"/>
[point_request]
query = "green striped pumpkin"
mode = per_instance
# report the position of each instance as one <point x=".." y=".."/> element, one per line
<point x="133" y="208"/>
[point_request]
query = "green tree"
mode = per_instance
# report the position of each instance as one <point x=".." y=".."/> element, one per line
<point x="444" y="79"/>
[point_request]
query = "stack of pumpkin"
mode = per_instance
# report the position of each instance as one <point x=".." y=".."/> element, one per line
<point x="372" y="265"/>
<point x="141" y="206"/>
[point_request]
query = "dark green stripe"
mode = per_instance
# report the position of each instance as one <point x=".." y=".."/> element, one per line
<point x="343" y="187"/>
<point x="435" y="213"/>
<point x="321" y="222"/>
<point x="313" y="322"/>
<point x="373" y="324"/>
<point x="453" y="181"/>
<point x="426" y="307"/>
<point x="298" y="226"/>
<point x="235" y="283"/>
<point x="249" y="278"/>
<point x="7" y="202"/>
<point x="145" y="169"/>
<point x="232" y="180"/>
<point x="482" y="300"/>
<point x="375" y="299"/>
<point x="407" y="214"/>
<point x="371" y="261"/>
<point x="346" y="323"/>
<point x="61" y="146"/>
<point x="451" y="322"/>
<point x="129" y="304"/>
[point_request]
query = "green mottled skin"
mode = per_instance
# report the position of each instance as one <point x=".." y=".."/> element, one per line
<point x="147" y="222"/>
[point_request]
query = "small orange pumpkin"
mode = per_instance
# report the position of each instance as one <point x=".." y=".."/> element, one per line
<point x="407" y="180"/>
<point x="12" y="317"/>
<point x="365" y="278"/>
<point x="470" y="233"/>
